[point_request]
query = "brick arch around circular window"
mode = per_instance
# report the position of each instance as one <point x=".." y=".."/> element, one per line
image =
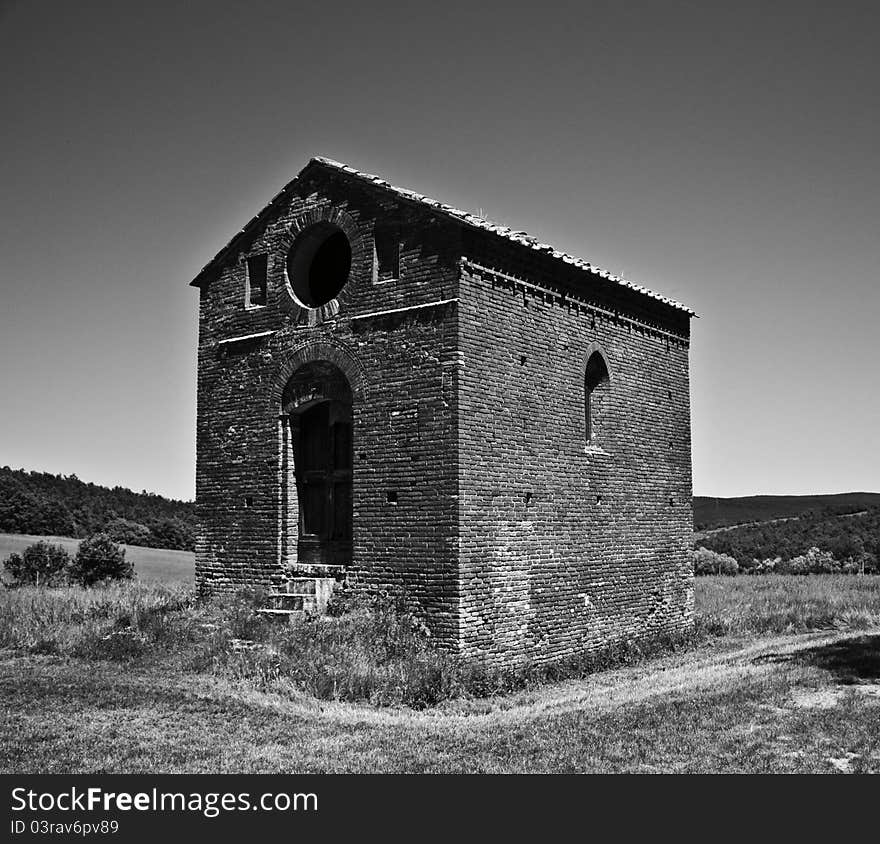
<point x="361" y="262"/>
<point x="313" y="351"/>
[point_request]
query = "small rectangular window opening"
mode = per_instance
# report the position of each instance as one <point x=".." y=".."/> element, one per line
<point x="257" y="278"/>
<point x="391" y="497"/>
<point x="387" y="254"/>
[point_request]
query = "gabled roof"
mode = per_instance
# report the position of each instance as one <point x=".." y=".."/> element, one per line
<point x="464" y="217"/>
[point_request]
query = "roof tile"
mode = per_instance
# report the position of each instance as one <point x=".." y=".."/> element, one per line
<point x="465" y="217"/>
<point x="520" y="237"/>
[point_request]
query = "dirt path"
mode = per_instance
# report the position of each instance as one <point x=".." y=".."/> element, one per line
<point x="679" y="673"/>
<point x="701" y="534"/>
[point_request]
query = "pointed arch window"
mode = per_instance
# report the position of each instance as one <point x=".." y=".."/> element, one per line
<point x="597" y="383"/>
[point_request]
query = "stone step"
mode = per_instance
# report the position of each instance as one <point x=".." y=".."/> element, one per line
<point x="287" y="601"/>
<point x="296" y="570"/>
<point x="281" y="615"/>
<point x="300" y="586"/>
<point x="303" y="594"/>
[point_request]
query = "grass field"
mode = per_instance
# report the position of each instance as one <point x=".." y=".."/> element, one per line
<point x="152" y="565"/>
<point x="785" y="677"/>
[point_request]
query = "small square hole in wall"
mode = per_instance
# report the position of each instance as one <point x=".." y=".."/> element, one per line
<point x="598" y="499"/>
<point x="249" y="501"/>
<point x="387" y="242"/>
<point x="529" y="498"/>
<point x="391" y="496"/>
<point x="257" y="279"/>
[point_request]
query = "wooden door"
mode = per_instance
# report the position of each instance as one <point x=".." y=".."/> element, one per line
<point x="323" y="465"/>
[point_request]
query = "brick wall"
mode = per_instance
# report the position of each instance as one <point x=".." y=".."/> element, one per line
<point x="566" y="547"/>
<point x="404" y="405"/>
<point x="474" y="486"/>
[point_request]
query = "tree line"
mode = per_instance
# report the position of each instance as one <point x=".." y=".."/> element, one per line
<point x="44" y="504"/>
<point x="849" y="539"/>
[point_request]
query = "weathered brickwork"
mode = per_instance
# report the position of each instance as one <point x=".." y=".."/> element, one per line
<point x="472" y="482"/>
<point x="567" y="546"/>
<point x="403" y="402"/>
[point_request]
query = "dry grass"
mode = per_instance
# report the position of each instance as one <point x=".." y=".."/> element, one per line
<point x="374" y="652"/>
<point x="63" y="620"/>
<point x="71" y="716"/>
<point x="181" y="701"/>
<point x="778" y="603"/>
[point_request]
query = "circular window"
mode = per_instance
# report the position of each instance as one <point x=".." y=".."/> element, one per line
<point x="318" y="264"/>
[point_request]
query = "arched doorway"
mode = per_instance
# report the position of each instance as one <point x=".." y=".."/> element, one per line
<point x="317" y="414"/>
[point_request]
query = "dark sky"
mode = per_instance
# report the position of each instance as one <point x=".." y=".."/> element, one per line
<point x="727" y="155"/>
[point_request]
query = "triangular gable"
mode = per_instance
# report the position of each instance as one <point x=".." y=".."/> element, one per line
<point x="465" y="218"/>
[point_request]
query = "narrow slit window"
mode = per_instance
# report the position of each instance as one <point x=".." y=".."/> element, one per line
<point x="596" y="384"/>
<point x="387" y="254"/>
<point x="257" y="279"/>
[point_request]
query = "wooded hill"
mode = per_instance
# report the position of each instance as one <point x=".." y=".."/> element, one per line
<point x="54" y="505"/>
<point x="846" y="526"/>
<point x="721" y="512"/>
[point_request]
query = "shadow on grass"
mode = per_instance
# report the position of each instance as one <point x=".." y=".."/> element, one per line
<point x="850" y="661"/>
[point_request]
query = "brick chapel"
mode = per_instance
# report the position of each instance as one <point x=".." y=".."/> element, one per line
<point x="398" y="393"/>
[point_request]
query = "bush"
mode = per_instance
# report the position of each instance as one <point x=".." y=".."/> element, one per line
<point x="100" y="559"/>
<point x="861" y="564"/>
<point x="813" y="562"/>
<point x="767" y="566"/>
<point x="40" y="564"/>
<point x="711" y="562"/>
<point x="128" y="532"/>
<point x="172" y="533"/>
<point x="371" y="648"/>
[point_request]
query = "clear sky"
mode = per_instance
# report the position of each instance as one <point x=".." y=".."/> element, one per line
<point x="725" y="154"/>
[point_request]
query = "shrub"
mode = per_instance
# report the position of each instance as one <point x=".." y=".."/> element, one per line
<point x="40" y="564"/>
<point x="749" y="566"/>
<point x="128" y="532"/>
<point x="100" y="559"/>
<point x="767" y="566"/>
<point x="172" y="533"/>
<point x="813" y="562"/>
<point x="372" y="648"/>
<point x="864" y="563"/>
<point x="711" y="562"/>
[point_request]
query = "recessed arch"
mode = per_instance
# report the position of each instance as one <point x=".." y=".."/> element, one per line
<point x="327" y="350"/>
<point x="596" y="348"/>
<point x="316" y="466"/>
<point x="597" y="388"/>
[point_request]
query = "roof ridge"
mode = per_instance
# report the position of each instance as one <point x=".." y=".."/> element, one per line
<point x="480" y="222"/>
<point x="468" y="218"/>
